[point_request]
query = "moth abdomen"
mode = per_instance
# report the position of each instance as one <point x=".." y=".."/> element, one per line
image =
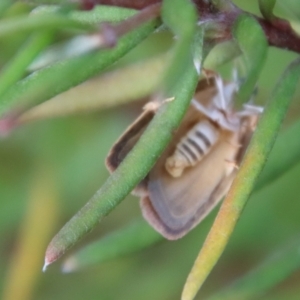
<point x="192" y="147"/>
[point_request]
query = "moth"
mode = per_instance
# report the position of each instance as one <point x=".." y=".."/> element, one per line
<point x="198" y="166"/>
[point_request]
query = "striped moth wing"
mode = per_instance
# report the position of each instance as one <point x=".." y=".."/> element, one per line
<point x="175" y="202"/>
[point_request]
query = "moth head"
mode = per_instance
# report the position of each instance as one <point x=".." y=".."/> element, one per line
<point x="220" y="109"/>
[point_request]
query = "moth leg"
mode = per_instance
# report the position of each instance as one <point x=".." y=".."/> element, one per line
<point x="232" y="163"/>
<point x="220" y="97"/>
<point x="209" y="73"/>
<point x="251" y="124"/>
<point x="234" y="145"/>
<point x="249" y="110"/>
<point x="249" y="107"/>
<point x="200" y="107"/>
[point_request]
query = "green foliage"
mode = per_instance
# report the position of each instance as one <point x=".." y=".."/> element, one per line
<point x="48" y="171"/>
<point x="50" y="81"/>
<point x="266" y="7"/>
<point x="134" y="237"/>
<point x="253" y="44"/>
<point x="269" y="273"/>
<point x="137" y="163"/>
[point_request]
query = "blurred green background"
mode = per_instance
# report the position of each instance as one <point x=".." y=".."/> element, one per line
<point x="49" y="169"/>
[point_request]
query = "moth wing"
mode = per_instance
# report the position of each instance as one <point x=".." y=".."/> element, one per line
<point x="176" y="205"/>
<point x="205" y="89"/>
<point x="126" y="142"/>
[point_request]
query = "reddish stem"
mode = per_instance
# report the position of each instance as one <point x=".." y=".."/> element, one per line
<point x="135" y="4"/>
<point x="111" y="32"/>
<point x="278" y="32"/>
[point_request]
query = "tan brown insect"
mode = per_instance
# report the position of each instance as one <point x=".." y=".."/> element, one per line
<point x="197" y="168"/>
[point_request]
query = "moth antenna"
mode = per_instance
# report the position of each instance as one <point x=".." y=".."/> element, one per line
<point x="229" y="90"/>
<point x="207" y="73"/>
<point x="170" y="99"/>
<point x="156" y="104"/>
<point x="221" y="93"/>
<point x="201" y="22"/>
<point x="234" y="145"/>
<point x="200" y="107"/>
<point x="235" y="74"/>
<point x="253" y="108"/>
<point x="250" y="109"/>
<point x="152" y="105"/>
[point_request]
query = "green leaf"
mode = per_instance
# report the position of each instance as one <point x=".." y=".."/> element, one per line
<point x="253" y="163"/>
<point x="15" y="69"/>
<point x="278" y="161"/>
<point x="63" y="75"/>
<point x="221" y="54"/>
<point x="184" y="23"/>
<point x="138" y="235"/>
<point x="142" y="157"/>
<point x="253" y="44"/>
<point x="100" y="13"/>
<point x="266" y="8"/>
<point x="134" y="82"/>
<point x="4" y="5"/>
<point x="135" y="166"/>
<point x="26" y="24"/>
<point x="181" y="17"/>
<point x="269" y="274"/>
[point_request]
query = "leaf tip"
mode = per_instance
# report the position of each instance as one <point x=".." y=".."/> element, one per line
<point x="46" y="264"/>
<point x="52" y="254"/>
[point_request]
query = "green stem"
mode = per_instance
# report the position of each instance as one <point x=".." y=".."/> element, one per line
<point x="15" y="68"/>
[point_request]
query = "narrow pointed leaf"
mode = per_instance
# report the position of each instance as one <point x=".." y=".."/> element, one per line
<point x="61" y="76"/>
<point x="139" y="161"/>
<point x="135" y="166"/>
<point x="29" y="23"/>
<point x="269" y="274"/>
<point x="279" y="162"/>
<point x="266" y="8"/>
<point x="134" y="82"/>
<point x="253" y="163"/>
<point x="15" y="69"/>
<point x="253" y="44"/>
<point x="184" y="28"/>
<point x="221" y="54"/>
